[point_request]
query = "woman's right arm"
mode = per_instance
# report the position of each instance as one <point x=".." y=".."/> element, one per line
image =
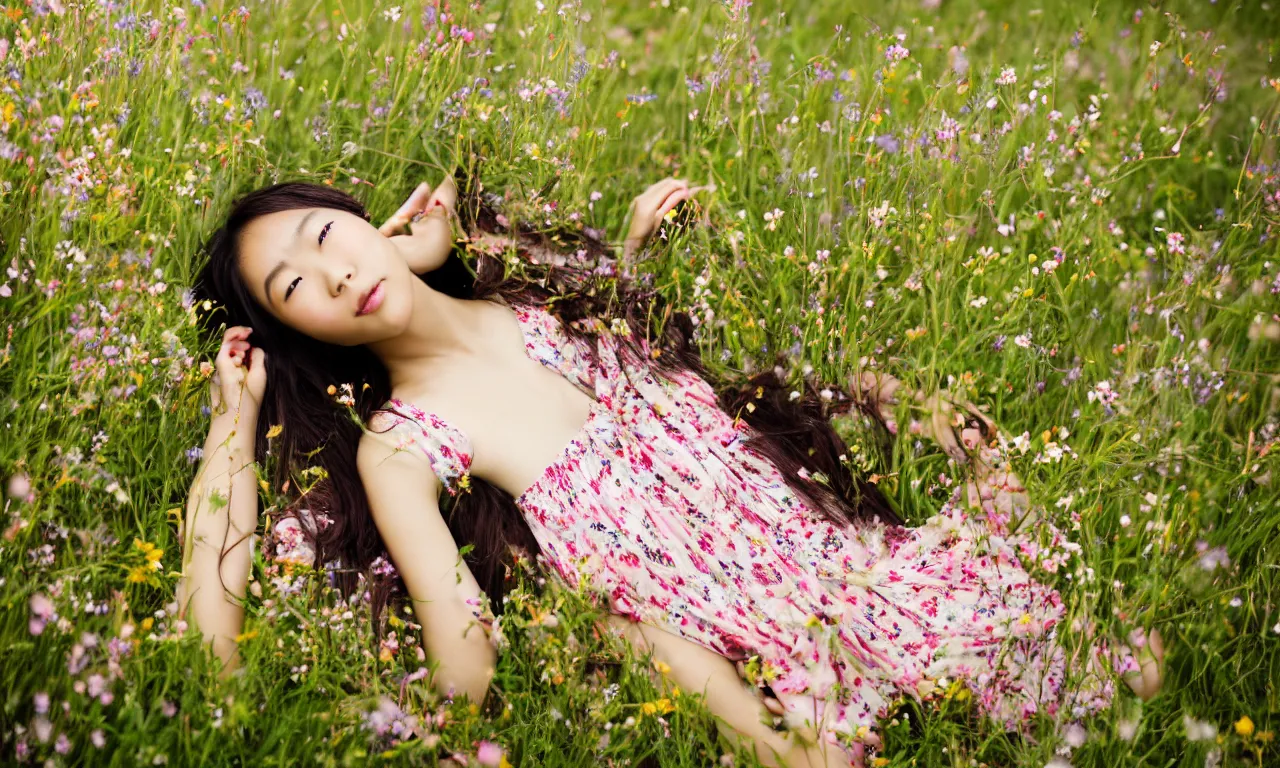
<point x="222" y="506"/>
<point x="403" y="491"/>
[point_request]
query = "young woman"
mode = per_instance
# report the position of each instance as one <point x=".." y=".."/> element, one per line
<point x="570" y="419"/>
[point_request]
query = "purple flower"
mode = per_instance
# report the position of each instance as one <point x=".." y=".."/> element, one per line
<point x="887" y="142"/>
<point x="896" y="53"/>
<point x="1212" y="558"/>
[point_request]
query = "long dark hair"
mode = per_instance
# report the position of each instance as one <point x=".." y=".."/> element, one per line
<point x="573" y="274"/>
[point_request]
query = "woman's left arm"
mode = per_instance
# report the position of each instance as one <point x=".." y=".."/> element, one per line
<point x="422" y="229"/>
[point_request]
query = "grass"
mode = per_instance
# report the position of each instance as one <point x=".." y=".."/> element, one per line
<point x="1067" y="213"/>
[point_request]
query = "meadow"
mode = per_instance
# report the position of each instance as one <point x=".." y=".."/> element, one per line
<point x="1067" y="212"/>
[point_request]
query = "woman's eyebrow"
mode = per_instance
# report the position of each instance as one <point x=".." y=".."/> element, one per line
<point x="302" y="224"/>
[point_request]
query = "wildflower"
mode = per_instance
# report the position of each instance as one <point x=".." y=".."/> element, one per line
<point x="887" y="142"/>
<point x="1212" y="559"/>
<point x="1007" y="77"/>
<point x="1175" y="242"/>
<point x="19" y="486"/>
<point x="1199" y="730"/>
<point x="392" y="13"/>
<point x="896" y="53"/>
<point x="488" y="753"/>
<point x="1076" y="735"/>
<point x="880" y="214"/>
<point x="1103" y="393"/>
<point x="1127" y="729"/>
<point x="41" y="612"/>
<point x="1244" y="726"/>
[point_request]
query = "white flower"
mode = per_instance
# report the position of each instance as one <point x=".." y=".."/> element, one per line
<point x="1199" y="730"/>
<point x="1023" y="340"/>
<point x="880" y="214"/>
<point x="1103" y="393"/>
<point x="392" y="13"/>
<point x="1007" y="77"/>
<point x="1127" y="729"/>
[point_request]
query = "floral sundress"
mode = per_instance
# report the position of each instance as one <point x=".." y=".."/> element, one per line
<point x="658" y="507"/>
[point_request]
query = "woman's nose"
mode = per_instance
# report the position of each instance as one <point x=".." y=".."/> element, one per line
<point x="340" y="276"/>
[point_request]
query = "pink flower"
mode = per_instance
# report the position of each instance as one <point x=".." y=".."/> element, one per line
<point x="19" y="486"/>
<point x="41" y="612"/>
<point x="489" y="753"/>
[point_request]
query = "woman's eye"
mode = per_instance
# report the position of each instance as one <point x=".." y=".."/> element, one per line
<point x="325" y="231"/>
<point x="289" y="290"/>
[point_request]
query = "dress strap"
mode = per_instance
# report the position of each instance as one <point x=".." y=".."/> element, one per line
<point x="446" y="447"/>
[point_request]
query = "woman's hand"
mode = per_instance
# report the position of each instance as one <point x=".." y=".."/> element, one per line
<point x="650" y="206"/>
<point x="240" y="375"/>
<point x="422" y="229"/>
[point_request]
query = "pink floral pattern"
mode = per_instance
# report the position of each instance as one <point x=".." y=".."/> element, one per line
<point x="659" y="508"/>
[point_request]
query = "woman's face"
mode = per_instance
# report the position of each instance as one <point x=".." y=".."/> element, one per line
<point x="328" y="274"/>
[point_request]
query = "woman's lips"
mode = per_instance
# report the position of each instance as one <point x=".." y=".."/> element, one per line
<point x="372" y="301"/>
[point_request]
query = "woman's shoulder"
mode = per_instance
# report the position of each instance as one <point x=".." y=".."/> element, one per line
<point x="402" y="426"/>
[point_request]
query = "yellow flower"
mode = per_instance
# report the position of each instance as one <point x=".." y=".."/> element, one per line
<point x="662" y="667"/>
<point x="240" y="638"/>
<point x="138" y="574"/>
<point x="1244" y="726"/>
<point x="275" y="431"/>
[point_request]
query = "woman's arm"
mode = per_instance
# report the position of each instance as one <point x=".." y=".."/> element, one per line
<point x="402" y="491"/>
<point x="738" y="709"/>
<point x="222" y="506"/>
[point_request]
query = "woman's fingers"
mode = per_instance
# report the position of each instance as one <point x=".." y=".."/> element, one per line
<point x="446" y="193"/>
<point x="416" y="202"/>
<point x="672" y="201"/>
